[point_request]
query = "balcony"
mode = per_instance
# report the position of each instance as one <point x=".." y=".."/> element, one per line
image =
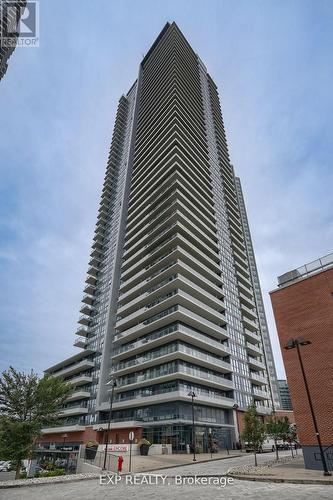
<point x="166" y="335"/>
<point x="95" y="262"/>
<point x="84" y="320"/>
<point x="82" y="331"/>
<point x="171" y="396"/>
<point x="80" y="380"/>
<point x="76" y="410"/>
<point x="259" y="394"/>
<point x="190" y="242"/>
<point x="85" y="309"/>
<point x="242" y="269"/>
<point x="258" y="379"/>
<point x="81" y="343"/>
<point x="263" y="409"/>
<point x="243" y="279"/>
<point x="175" y="280"/>
<point x="78" y="395"/>
<point x="250" y="325"/>
<point x="253" y="349"/>
<point x="256" y="363"/>
<point x="186" y="374"/>
<point x="74" y="368"/>
<point x="90" y="289"/>
<point x="63" y="429"/>
<point x="246" y="290"/>
<point x="252" y="336"/>
<point x="97" y="245"/>
<point x="246" y="301"/>
<point x="249" y="313"/>
<point x="179" y="313"/>
<point x="91" y="281"/>
<point x="87" y="299"/>
<point x="181" y="298"/>
<point x="180" y="351"/>
<point x="93" y="271"/>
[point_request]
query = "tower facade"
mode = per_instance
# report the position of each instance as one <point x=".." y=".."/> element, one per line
<point x="169" y="305"/>
<point x="273" y="386"/>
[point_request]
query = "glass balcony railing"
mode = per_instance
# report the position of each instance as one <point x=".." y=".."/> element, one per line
<point x="167" y="331"/>
<point x="175" y="367"/>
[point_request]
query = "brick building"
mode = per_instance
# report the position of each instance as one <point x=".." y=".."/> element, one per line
<point x="82" y="435"/>
<point x="303" y="307"/>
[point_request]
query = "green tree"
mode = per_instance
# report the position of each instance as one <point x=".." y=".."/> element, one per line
<point x="27" y="404"/>
<point x="277" y="428"/>
<point x="254" y="430"/>
<point x="284" y="429"/>
<point x="289" y="433"/>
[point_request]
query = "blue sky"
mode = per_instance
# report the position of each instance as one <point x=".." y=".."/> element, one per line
<point x="272" y="62"/>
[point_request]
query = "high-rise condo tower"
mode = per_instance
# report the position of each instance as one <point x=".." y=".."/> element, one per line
<point x="172" y="300"/>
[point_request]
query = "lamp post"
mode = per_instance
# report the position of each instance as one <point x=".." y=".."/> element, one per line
<point x="114" y="384"/>
<point x="193" y="395"/>
<point x="295" y="344"/>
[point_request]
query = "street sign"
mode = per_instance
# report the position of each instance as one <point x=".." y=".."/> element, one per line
<point x="131" y="439"/>
<point x="118" y="447"/>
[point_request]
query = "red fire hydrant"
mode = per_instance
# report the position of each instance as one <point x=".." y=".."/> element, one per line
<point x="120" y="463"/>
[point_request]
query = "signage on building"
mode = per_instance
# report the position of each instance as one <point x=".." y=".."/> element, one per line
<point x="131" y="436"/>
<point x="117" y="447"/>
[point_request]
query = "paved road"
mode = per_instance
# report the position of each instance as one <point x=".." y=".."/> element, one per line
<point x="7" y="476"/>
<point x="91" y="489"/>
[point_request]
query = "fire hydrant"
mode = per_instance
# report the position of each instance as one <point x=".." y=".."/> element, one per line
<point x="120" y="463"/>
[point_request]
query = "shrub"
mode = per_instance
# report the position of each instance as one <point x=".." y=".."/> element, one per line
<point x="91" y="444"/>
<point x="51" y="473"/>
<point x="144" y="442"/>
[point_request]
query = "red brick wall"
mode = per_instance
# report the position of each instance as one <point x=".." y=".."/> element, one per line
<point x="305" y="309"/>
<point x="286" y="413"/>
<point x="118" y="436"/>
<point x="72" y="437"/>
<point x="279" y="413"/>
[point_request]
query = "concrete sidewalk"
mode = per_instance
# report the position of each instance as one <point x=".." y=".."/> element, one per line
<point x="291" y="472"/>
<point x="158" y="462"/>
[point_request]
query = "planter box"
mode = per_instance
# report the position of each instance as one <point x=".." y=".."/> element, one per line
<point x="91" y="453"/>
<point x="144" y="449"/>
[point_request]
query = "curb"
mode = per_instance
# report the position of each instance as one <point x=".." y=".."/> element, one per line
<point x="274" y="479"/>
<point x="3" y="484"/>
<point x="74" y="479"/>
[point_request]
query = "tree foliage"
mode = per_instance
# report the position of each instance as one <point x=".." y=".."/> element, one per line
<point x="277" y="428"/>
<point x="16" y="440"/>
<point x="27" y="404"/>
<point x="27" y="398"/>
<point x="254" y="430"/>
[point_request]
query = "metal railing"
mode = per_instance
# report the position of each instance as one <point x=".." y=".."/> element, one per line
<point x="306" y="270"/>
<point x="97" y="458"/>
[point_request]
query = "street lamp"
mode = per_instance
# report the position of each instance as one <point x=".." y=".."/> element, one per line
<point x="193" y="395"/>
<point x="296" y="343"/>
<point x="112" y="382"/>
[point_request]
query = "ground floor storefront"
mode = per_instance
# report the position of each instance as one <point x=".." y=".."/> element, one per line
<point x="181" y="439"/>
